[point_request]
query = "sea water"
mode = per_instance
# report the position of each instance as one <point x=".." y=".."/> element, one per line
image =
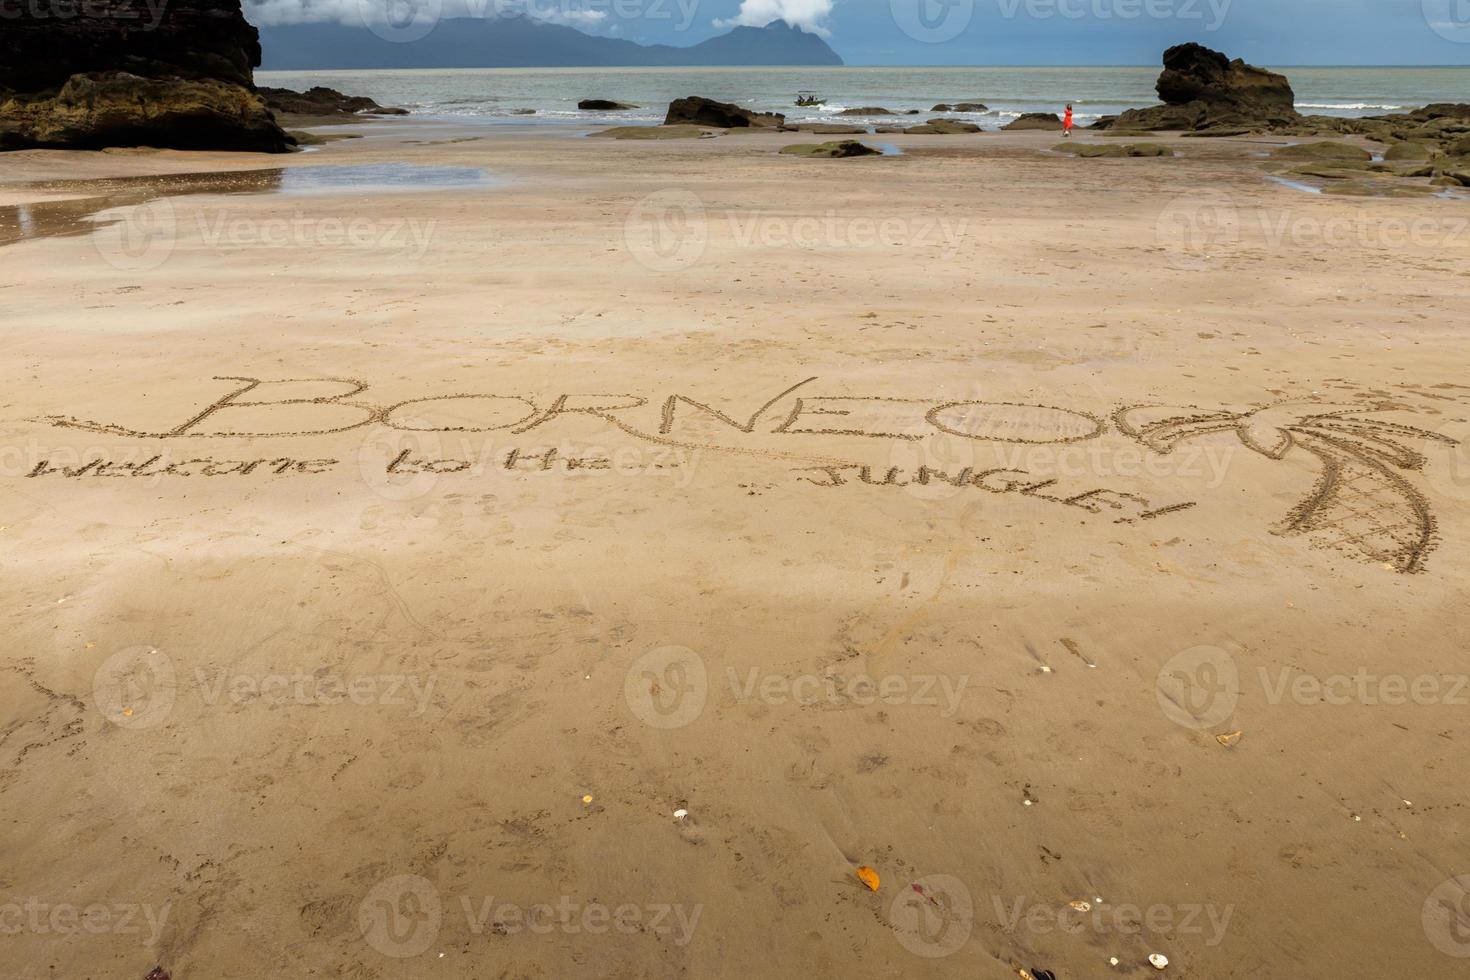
<point x="493" y="94"/>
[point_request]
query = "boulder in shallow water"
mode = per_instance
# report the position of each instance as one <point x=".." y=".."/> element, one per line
<point x="1035" y="120"/>
<point x="603" y="105"/>
<point x="695" y="110"/>
<point x="1407" y="151"/>
<point x="103" y="109"/>
<point x="1322" y="151"/>
<point x="867" y="110"/>
<point x="831" y="151"/>
<point x="943" y="127"/>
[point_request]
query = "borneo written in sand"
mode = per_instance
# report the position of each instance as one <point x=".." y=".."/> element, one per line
<point x="737" y="489"/>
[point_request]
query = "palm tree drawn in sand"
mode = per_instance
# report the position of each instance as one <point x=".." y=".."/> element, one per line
<point x="1361" y="504"/>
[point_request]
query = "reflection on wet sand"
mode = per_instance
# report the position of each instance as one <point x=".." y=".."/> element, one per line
<point x="78" y="214"/>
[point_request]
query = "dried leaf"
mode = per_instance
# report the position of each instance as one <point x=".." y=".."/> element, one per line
<point x="1229" y="739"/>
<point x="868" y="877"/>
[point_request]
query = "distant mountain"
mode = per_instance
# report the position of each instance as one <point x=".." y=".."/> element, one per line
<point x="522" y="42"/>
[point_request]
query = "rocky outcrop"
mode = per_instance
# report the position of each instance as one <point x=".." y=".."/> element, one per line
<point x="1194" y="73"/>
<point x="867" y="110"/>
<point x="603" y="105"/>
<point x="695" y="110"/>
<point x="321" y="101"/>
<point x="40" y="49"/>
<point x="1035" y="120"/>
<point x="831" y="151"/>
<point x="98" y="110"/>
<point x="1204" y="89"/>
<point x="120" y="73"/>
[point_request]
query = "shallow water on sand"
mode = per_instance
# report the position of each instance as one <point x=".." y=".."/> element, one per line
<point x="77" y="213"/>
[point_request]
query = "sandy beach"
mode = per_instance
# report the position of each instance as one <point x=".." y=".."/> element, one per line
<point x="581" y="560"/>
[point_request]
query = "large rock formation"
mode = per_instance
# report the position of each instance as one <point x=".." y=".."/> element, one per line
<point x="1194" y="73"/>
<point x="120" y="73"/>
<point x="695" y="110"/>
<point x="1203" y="89"/>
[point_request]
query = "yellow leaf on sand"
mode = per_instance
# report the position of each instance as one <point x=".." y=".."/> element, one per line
<point x="868" y="877"/>
<point x="1229" y="739"/>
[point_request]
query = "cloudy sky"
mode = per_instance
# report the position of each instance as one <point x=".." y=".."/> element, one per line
<point x="977" y="32"/>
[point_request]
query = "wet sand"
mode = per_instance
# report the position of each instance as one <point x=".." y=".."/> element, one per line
<point x="1080" y="544"/>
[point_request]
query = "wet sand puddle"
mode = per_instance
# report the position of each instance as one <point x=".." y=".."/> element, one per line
<point x="79" y="214"/>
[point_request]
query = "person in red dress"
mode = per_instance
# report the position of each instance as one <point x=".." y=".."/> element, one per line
<point x="1067" y="122"/>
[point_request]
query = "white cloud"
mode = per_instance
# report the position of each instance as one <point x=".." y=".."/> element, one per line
<point x="810" y="15"/>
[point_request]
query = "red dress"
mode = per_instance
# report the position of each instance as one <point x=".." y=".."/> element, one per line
<point x="1067" y="123"/>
